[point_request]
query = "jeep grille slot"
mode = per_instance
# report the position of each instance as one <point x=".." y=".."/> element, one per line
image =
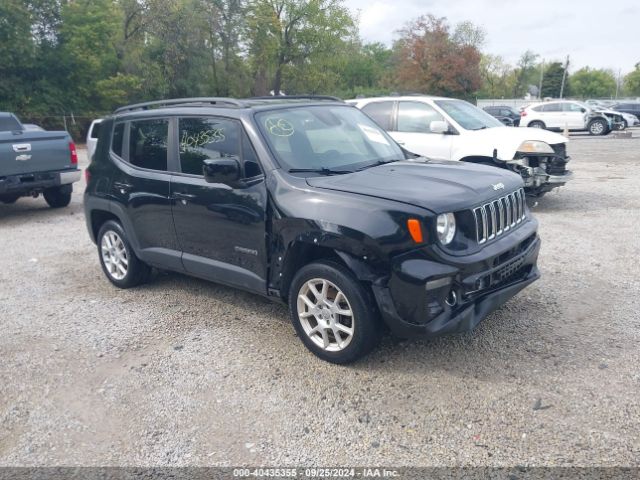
<point x="497" y="217"/>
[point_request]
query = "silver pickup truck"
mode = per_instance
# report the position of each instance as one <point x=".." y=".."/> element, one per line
<point x="35" y="162"/>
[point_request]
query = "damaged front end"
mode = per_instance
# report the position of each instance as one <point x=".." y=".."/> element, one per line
<point x="542" y="171"/>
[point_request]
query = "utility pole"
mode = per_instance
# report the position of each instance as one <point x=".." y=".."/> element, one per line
<point x="618" y="82"/>
<point x="564" y="77"/>
<point x="541" y="77"/>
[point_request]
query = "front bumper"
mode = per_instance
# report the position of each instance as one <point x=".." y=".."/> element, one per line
<point x="28" y="183"/>
<point x="416" y="301"/>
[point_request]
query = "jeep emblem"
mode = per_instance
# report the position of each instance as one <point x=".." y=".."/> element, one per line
<point x="498" y="186"/>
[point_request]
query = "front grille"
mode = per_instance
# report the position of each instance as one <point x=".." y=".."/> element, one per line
<point x="497" y="217"/>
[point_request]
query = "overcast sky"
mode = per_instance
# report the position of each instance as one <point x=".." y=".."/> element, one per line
<point x="601" y="34"/>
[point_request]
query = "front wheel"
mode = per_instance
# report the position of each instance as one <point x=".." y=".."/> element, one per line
<point x="58" y="197"/>
<point x="598" y="127"/>
<point x="332" y="312"/>
<point x="537" y="124"/>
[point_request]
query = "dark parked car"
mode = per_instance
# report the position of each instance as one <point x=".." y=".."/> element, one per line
<point x="34" y="162"/>
<point x="309" y="202"/>
<point x="507" y="115"/>
<point x="632" y="108"/>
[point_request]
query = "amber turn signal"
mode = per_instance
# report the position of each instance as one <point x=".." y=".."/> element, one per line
<point x="415" y="230"/>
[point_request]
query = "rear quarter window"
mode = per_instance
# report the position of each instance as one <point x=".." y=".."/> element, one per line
<point x="117" y="139"/>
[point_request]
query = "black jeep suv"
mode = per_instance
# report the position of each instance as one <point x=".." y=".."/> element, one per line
<point x="308" y="201"/>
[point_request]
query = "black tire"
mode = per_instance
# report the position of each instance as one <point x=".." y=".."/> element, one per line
<point x="137" y="272"/>
<point x="537" y="124"/>
<point x="622" y="126"/>
<point x="365" y="324"/>
<point x="598" y="126"/>
<point x="58" y="197"/>
<point x="9" y="198"/>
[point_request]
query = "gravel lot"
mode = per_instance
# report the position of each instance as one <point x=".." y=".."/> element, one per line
<point x="184" y="372"/>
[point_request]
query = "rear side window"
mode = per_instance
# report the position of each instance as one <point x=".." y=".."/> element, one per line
<point x="206" y="138"/>
<point x="380" y="112"/>
<point x="148" y="144"/>
<point x="552" y="107"/>
<point x="9" y="124"/>
<point x="95" y="131"/>
<point x="117" y="139"/>
<point x="416" y="117"/>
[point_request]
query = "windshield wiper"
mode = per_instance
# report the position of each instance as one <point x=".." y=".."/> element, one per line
<point x="323" y="170"/>
<point x="479" y="128"/>
<point x="378" y="163"/>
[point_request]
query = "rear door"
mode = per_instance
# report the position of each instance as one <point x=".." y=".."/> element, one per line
<point x="412" y="130"/>
<point x="551" y="115"/>
<point x="221" y="230"/>
<point x="141" y="187"/>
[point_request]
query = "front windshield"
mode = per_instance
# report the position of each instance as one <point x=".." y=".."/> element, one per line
<point x="326" y="137"/>
<point x="468" y="116"/>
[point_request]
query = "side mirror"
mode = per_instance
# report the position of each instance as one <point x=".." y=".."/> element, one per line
<point x="222" y="170"/>
<point x="439" y="126"/>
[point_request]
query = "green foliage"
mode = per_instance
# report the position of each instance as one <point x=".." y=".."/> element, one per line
<point x="632" y="82"/>
<point x="552" y="81"/>
<point x="66" y="62"/>
<point x="592" y="83"/>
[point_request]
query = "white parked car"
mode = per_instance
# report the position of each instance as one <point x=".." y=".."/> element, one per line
<point x="92" y="137"/>
<point x="449" y="129"/>
<point x="572" y="115"/>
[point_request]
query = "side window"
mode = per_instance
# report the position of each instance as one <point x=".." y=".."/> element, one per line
<point x="551" y="107"/>
<point x="416" y="117"/>
<point x="203" y="138"/>
<point x="539" y="108"/>
<point x="117" y="139"/>
<point x="95" y="131"/>
<point x="148" y="144"/>
<point x="572" y="107"/>
<point x="380" y="112"/>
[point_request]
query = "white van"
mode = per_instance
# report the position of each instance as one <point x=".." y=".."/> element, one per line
<point x="92" y="137"/>
<point x="449" y="129"/>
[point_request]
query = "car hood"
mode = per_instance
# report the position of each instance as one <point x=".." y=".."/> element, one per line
<point x="517" y="135"/>
<point x="439" y="186"/>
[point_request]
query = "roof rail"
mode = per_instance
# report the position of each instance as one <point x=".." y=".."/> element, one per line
<point x="299" y="97"/>
<point x="196" y="101"/>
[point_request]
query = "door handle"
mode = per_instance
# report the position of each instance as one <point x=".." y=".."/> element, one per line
<point x="183" y="197"/>
<point x="123" y="187"/>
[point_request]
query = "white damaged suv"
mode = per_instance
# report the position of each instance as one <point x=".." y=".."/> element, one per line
<point x="449" y="129"/>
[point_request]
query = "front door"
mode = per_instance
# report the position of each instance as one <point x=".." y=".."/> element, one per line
<point x="221" y="230"/>
<point x="574" y="115"/>
<point x="413" y="131"/>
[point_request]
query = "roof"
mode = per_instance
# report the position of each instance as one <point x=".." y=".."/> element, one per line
<point x="402" y="97"/>
<point x="224" y="102"/>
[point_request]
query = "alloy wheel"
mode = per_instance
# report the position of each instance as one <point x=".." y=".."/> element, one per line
<point x="114" y="255"/>
<point x="325" y="314"/>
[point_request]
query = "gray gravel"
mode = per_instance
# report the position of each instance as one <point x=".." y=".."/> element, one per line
<point x="184" y="372"/>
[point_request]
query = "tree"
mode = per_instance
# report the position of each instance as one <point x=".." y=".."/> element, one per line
<point x="525" y="73"/>
<point x="592" y="83"/>
<point x="291" y="36"/>
<point x="430" y="60"/>
<point x="497" y="77"/>
<point x="632" y="82"/>
<point x="552" y="81"/>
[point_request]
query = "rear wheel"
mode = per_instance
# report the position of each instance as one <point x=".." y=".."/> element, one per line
<point x="598" y="127"/>
<point x="119" y="262"/>
<point x="332" y="312"/>
<point x="537" y="124"/>
<point x="58" y="197"/>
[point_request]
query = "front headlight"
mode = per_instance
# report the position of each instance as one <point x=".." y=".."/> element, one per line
<point x="446" y="227"/>
<point x="535" y="146"/>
